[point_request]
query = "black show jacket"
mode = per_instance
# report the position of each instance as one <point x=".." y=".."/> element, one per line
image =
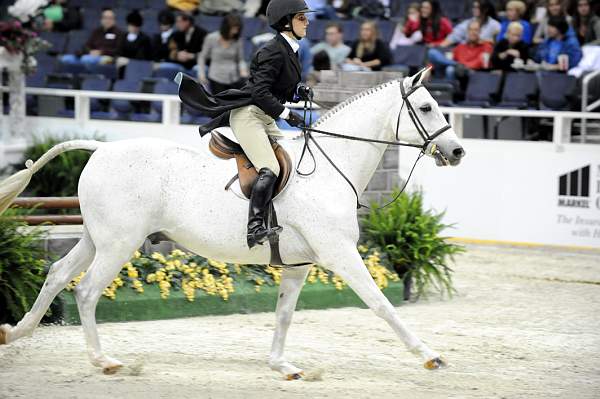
<point x="274" y="74"/>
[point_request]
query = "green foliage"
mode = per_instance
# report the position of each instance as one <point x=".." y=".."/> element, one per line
<point x="411" y="239"/>
<point x="22" y="267"/>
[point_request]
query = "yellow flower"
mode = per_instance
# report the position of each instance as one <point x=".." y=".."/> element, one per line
<point x="132" y="273"/>
<point x="137" y="254"/>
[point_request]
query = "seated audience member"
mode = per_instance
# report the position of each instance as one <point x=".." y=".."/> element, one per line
<point x="399" y="38"/>
<point x="333" y="46"/>
<point x="510" y="48"/>
<point x="186" y="42"/>
<point x="104" y="42"/>
<point x="137" y="44"/>
<point x="485" y="14"/>
<point x="59" y="16"/>
<point x="369" y="53"/>
<point x="554" y="8"/>
<point x="475" y="54"/>
<point x="225" y="50"/>
<point x="160" y="41"/>
<point x="585" y="23"/>
<point x="432" y="24"/>
<point x="559" y="44"/>
<point x="514" y="13"/>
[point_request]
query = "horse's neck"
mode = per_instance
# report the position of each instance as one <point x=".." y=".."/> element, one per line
<point x="367" y="117"/>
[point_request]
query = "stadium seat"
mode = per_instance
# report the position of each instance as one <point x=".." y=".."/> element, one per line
<point x="210" y="23"/>
<point x="409" y="59"/>
<point x="316" y="30"/>
<point x="480" y="89"/>
<point x="249" y="49"/>
<point x="137" y="70"/>
<point x="167" y="70"/>
<point x="77" y="40"/>
<point x="556" y="90"/>
<point x="96" y="84"/>
<point x="252" y="27"/>
<point x="57" y="40"/>
<point x="163" y="87"/>
<point x="351" y="30"/>
<point x="124" y="107"/>
<point x="519" y="90"/>
<point x="108" y="70"/>
<point x="442" y="92"/>
<point x="386" y="30"/>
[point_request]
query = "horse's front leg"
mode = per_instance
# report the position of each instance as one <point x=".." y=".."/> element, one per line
<point x="347" y="263"/>
<point x="292" y="280"/>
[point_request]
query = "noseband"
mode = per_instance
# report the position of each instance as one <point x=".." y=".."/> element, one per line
<point x="425" y="147"/>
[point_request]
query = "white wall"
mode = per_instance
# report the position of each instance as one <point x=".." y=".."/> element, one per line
<point x="508" y="191"/>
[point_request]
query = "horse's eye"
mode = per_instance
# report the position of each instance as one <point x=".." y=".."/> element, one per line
<point x="425" y="108"/>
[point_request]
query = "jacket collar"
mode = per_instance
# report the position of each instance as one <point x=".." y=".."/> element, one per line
<point x="293" y="56"/>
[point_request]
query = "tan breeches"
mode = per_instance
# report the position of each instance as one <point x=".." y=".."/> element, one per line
<point x="252" y="128"/>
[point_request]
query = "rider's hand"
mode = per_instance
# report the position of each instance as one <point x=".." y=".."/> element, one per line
<point x="295" y="120"/>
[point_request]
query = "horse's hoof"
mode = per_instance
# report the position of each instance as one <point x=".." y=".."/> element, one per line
<point x="295" y="376"/>
<point x="109" y="370"/>
<point x="436" y="363"/>
<point x="4" y="334"/>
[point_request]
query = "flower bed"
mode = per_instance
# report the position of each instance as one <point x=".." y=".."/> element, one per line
<point x="183" y="284"/>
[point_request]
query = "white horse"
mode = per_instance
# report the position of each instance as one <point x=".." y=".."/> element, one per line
<point x="132" y="188"/>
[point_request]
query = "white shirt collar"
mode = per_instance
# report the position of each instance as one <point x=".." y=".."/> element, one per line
<point x="292" y="42"/>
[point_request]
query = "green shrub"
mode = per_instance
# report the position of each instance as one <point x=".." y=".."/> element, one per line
<point x="22" y="267"/>
<point x="411" y="239"/>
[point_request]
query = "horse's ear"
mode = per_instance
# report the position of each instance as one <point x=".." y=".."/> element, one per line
<point x="420" y="76"/>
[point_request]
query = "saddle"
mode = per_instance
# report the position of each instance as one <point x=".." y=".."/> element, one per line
<point x="224" y="148"/>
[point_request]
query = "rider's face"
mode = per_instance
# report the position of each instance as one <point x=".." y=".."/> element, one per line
<point x="299" y="24"/>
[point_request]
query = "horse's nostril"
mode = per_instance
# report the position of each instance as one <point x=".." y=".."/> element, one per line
<point x="458" y="152"/>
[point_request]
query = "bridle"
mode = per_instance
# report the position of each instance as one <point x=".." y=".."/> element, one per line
<point x="426" y="147"/>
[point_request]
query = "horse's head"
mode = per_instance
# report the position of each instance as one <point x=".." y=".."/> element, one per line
<point x="421" y="120"/>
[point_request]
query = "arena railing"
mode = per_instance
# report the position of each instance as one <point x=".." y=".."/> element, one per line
<point x="172" y="106"/>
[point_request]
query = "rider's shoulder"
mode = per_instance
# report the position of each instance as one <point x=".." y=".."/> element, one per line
<point x="269" y="51"/>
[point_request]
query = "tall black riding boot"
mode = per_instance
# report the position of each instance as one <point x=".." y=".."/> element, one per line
<point x="261" y="195"/>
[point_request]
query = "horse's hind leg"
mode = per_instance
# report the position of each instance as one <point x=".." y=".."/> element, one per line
<point x="60" y="274"/>
<point x="292" y="281"/>
<point x="105" y="267"/>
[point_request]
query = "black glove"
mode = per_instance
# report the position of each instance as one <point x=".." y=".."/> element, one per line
<point x="304" y="92"/>
<point x="295" y="120"/>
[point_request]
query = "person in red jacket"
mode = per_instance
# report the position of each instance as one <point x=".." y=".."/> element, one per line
<point x="432" y="24"/>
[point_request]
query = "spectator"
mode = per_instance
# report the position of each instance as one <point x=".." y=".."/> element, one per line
<point x="160" y="42"/>
<point x="103" y="45"/>
<point x="137" y="44"/>
<point x="186" y="43"/>
<point x="323" y="9"/>
<point x="558" y="44"/>
<point x="399" y="38"/>
<point x="585" y="23"/>
<point x="433" y="26"/>
<point x="225" y="51"/>
<point x="333" y="46"/>
<point x="554" y="8"/>
<point x="515" y="9"/>
<point x="369" y="52"/>
<point x="510" y="48"/>
<point x="483" y="12"/>
<point x="60" y="17"/>
<point x="474" y="54"/>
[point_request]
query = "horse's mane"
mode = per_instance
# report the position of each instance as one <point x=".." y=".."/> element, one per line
<point x="352" y="99"/>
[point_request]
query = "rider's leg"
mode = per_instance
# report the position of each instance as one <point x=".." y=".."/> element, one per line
<point x="250" y="126"/>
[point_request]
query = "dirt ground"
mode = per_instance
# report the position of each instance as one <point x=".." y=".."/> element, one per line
<point x="525" y="323"/>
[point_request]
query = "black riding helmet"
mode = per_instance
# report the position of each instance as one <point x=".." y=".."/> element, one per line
<point x="281" y="12"/>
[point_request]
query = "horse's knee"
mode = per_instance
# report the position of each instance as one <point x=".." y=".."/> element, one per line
<point x="384" y="310"/>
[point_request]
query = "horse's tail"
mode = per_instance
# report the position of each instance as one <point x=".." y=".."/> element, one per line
<point x="16" y="183"/>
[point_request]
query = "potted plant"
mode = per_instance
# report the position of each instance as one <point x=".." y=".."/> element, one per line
<point x="410" y="236"/>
